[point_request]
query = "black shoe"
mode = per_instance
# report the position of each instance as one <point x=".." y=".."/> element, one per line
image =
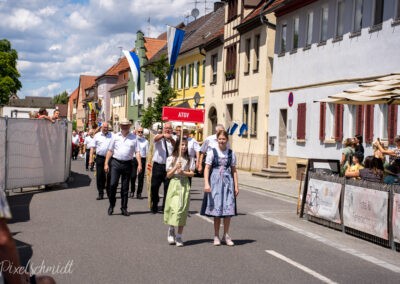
<point x="154" y="209"/>
<point x="139" y="196"/>
<point x="124" y="212"/>
<point x="110" y="210"/>
<point x="131" y="195"/>
<point x="87" y="170"/>
<point x="100" y="197"/>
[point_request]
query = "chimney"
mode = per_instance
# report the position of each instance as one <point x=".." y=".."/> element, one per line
<point x="218" y="5"/>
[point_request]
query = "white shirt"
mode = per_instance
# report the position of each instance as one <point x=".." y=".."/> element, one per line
<point x="160" y="155"/>
<point x="222" y="155"/>
<point x="143" y="146"/>
<point x="193" y="147"/>
<point x="211" y="142"/>
<point x="123" y="148"/>
<point x="75" y="139"/>
<point x="102" y="142"/>
<point x="88" y="142"/>
<point x="185" y="165"/>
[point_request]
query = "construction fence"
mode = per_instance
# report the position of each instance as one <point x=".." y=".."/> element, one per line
<point x="34" y="152"/>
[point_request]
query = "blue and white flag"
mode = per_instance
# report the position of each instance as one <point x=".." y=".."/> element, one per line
<point x="243" y="129"/>
<point x="134" y="64"/>
<point x="174" y="38"/>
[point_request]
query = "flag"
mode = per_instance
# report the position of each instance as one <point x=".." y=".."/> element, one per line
<point x="243" y="129"/>
<point x="134" y="64"/>
<point x="174" y="41"/>
<point x="233" y="128"/>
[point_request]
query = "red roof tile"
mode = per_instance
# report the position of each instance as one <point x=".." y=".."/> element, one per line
<point x="86" y="81"/>
<point x="153" y="45"/>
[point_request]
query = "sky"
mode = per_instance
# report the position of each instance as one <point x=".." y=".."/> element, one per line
<point x="59" y="40"/>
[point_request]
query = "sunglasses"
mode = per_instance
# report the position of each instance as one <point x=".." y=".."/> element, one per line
<point x="139" y="131"/>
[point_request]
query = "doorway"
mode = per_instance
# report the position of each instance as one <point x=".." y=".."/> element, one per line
<point x="282" y="135"/>
<point x="212" y="120"/>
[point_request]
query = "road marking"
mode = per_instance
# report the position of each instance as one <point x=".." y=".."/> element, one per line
<point x="205" y="218"/>
<point x="301" y="267"/>
<point x="325" y="241"/>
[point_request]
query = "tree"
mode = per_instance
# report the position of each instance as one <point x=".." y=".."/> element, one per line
<point x="9" y="82"/>
<point x="61" y="98"/>
<point x="165" y="93"/>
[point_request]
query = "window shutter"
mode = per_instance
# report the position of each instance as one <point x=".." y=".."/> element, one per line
<point x="339" y="122"/>
<point x="322" y="117"/>
<point x="392" y="123"/>
<point x="359" y="120"/>
<point x="369" y="123"/>
<point x="301" y="121"/>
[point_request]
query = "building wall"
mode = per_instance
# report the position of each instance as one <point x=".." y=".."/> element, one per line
<point x="104" y="85"/>
<point x="21" y="112"/>
<point x="326" y="69"/>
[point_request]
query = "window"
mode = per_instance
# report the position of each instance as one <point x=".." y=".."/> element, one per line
<point x="245" y="116"/>
<point x="359" y="120"/>
<point x="247" y="56"/>
<point x="310" y="21"/>
<point x="254" y="112"/>
<point x="196" y="74"/>
<point x="301" y="121"/>
<point x="358" y="15"/>
<point x="230" y="62"/>
<point x="229" y="111"/>
<point x="324" y="24"/>
<point x="182" y="77"/>
<point x="214" y="68"/>
<point x="397" y="11"/>
<point x="175" y="76"/>
<point x="187" y="76"/>
<point x="384" y="124"/>
<point x="191" y="71"/>
<point x="378" y="12"/>
<point x="295" y="38"/>
<point x="283" y="38"/>
<point x="256" y="58"/>
<point x="232" y="9"/>
<point x="203" y="76"/>
<point x="322" y="121"/>
<point x="340" y="9"/>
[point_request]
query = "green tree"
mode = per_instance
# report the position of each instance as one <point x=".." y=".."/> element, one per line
<point x="61" y="98"/>
<point x="9" y="82"/>
<point x="165" y="93"/>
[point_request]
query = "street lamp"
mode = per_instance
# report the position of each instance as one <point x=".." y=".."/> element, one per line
<point x="196" y="98"/>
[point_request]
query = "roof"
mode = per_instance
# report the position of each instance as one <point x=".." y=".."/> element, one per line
<point x="120" y="84"/>
<point x="74" y="95"/>
<point x="198" y="32"/>
<point x="153" y="45"/>
<point x="115" y="69"/>
<point x="33" y="102"/>
<point x="282" y="7"/>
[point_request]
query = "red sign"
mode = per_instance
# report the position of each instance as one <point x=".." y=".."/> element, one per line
<point x="183" y="114"/>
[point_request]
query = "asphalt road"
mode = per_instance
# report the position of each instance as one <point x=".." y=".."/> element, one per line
<point x="67" y="227"/>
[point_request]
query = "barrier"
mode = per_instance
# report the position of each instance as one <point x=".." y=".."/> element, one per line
<point x="367" y="210"/>
<point x="34" y="152"/>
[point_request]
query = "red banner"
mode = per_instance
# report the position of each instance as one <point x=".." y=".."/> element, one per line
<point x="183" y="114"/>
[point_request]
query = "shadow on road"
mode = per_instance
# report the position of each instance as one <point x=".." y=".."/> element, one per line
<point x="78" y="180"/>
<point x="19" y="206"/>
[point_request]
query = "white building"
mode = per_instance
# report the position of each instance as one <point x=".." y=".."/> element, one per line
<point x="323" y="48"/>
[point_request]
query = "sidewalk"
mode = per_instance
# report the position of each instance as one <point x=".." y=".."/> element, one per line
<point x="285" y="187"/>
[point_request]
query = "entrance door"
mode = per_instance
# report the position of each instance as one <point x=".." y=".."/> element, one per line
<point x="282" y="135"/>
<point x="212" y="120"/>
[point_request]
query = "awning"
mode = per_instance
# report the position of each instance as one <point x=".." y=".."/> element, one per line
<point x="384" y="90"/>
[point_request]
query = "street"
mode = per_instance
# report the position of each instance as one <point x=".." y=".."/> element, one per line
<point x="68" y="227"/>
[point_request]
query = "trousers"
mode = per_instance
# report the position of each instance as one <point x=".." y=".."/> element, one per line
<point x="139" y="176"/>
<point x="159" y="176"/>
<point x="120" y="169"/>
<point x="103" y="179"/>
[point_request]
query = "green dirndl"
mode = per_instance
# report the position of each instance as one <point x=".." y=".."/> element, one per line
<point x="177" y="202"/>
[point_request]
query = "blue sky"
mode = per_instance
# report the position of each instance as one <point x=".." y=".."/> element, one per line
<point x="58" y="40"/>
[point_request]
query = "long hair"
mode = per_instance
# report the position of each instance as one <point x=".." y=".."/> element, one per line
<point x="175" y="152"/>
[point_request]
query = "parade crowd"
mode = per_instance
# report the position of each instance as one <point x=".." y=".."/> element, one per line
<point x="121" y="158"/>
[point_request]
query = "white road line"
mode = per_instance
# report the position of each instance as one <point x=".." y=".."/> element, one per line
<point x="301" y="267"/>
<point x="325" y="241"/>
<point x="205" y="218"/>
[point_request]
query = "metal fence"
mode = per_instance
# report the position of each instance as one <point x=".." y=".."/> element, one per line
<point x="34" y="152"/>
<point x="367" y="210"/>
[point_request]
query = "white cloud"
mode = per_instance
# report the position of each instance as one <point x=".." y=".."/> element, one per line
<point x="77" y="21"/>
<point x="55" y="47"/>
<point x="22" y="20"/>
<point x="48" y="11"/>
<point x="46" y="91"/>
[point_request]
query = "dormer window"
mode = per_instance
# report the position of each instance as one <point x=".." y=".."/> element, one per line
<point x="232" y="9"/>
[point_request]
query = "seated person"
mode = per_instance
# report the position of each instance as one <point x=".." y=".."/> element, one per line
<point x="43" y="114"/>
<point x="56" y="115"/>
<point x="373" y="170"/>
<point x="358" y="157"/>
<point x="391" y="175"/>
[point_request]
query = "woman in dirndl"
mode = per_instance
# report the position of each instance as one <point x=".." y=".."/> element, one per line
<point x="179" y="168"/>
<point x="221" y="187"/>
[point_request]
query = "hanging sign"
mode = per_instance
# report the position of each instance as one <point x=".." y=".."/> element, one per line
<point x="183" y="114"/>
<point x="290" y="99"/>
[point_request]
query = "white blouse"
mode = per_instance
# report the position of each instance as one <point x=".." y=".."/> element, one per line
<point x="186" y="165"/>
